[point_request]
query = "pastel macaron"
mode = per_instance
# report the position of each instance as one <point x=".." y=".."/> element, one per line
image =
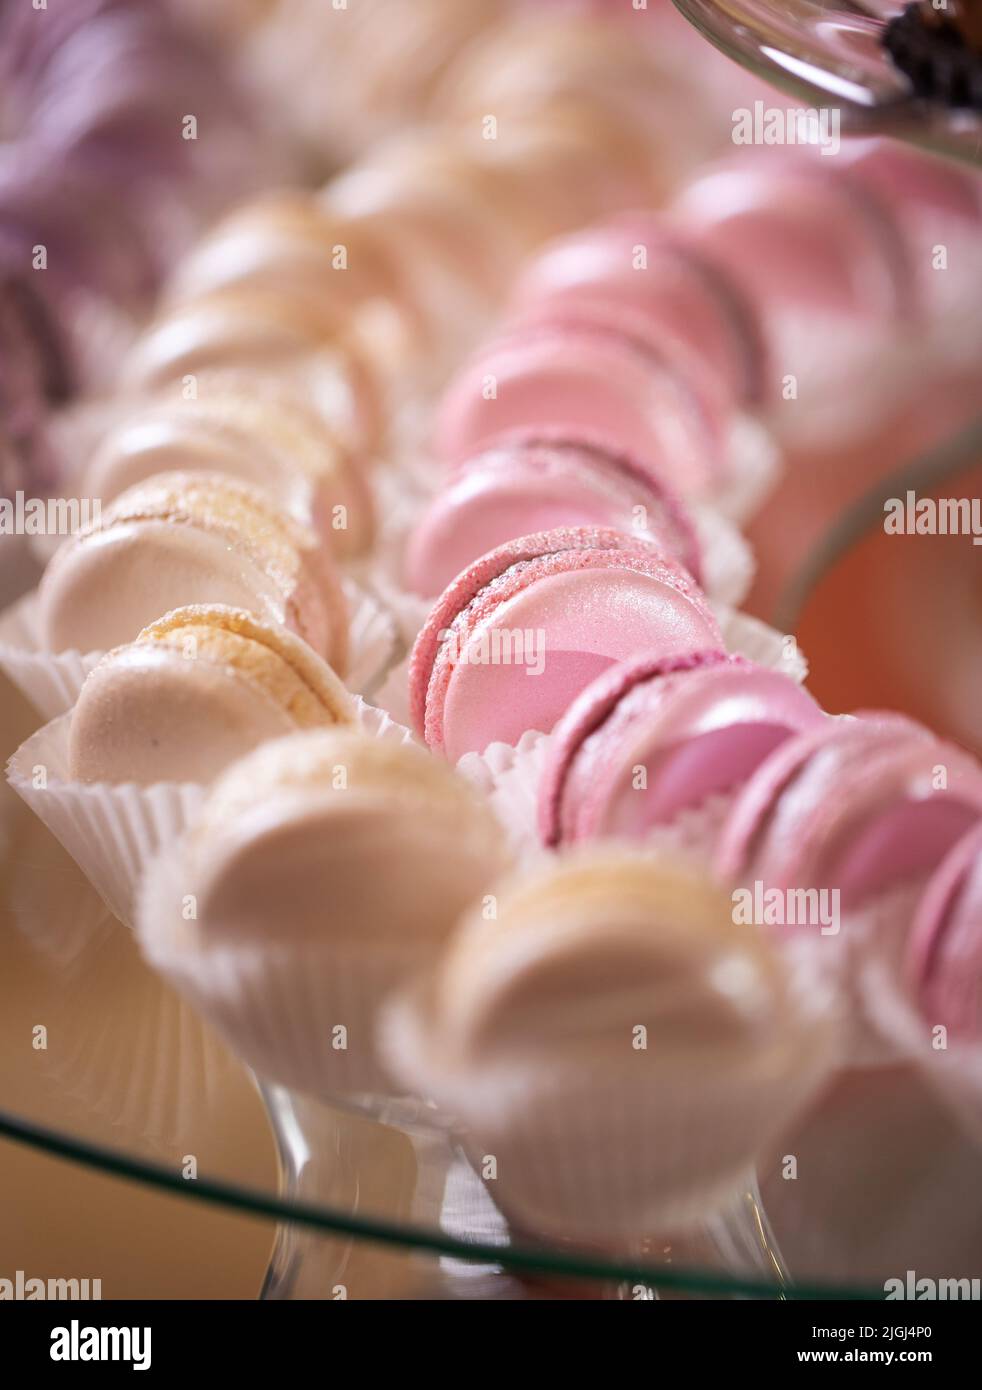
<point x="638" y="266"/>
<point x="252" y="327"/>
<point x="858" y="805"/>
<point x="516" y="637"/>
<point x="284" y="240"/>
<point x="252" y="427"/>
<point x="820" y="263"/>
<point x="611" y="382"/>
<point x="656" y="736"/>
<point x="621" y="1051"/>
<point x="326" y="869"/>
<point x="537" y="482"/>
<point x="197" y="689"/>
<point x="183" y="538"/>
<point x="943" y="961"/>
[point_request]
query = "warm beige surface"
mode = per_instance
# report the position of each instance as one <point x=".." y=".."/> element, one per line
<point x="58" y="1220"/>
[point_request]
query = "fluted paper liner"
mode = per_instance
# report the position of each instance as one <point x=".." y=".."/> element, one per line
<point x="587" y="1155"/>
<point x="280" y="1005"/>
<point x="899" y="1029"/>
<point x="51" y="681"/>
<point x="112" y="831"/>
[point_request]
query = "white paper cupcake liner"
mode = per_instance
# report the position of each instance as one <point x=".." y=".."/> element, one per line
<point x="727" y="559"/>
<point x="110" y="831"/>
<point x="51" y="681"/>
<point x="113" y="831"/>
<point x="302" y="1015"/>
<point x="755" y="466"/>
<point x="509" y="777"/>
<point x="759" y="642"/>
<point x="373" y="637"/>
<point x="590" y="1156"/>
<point x="893" y="1023"/>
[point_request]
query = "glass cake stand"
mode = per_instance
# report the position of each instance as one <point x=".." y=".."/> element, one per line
<point x="830" y="55"/>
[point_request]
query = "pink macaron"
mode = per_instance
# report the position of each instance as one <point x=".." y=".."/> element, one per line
<point x="819" y="260"/>
<point x="514" y="639"/>
<point x="935" y="205"/>
<point x="694" y="725"/>
<point x="611" y="383"/>
<point x="638" y="265"/>
<point x="860" y="805"/>
<point x="535" y="483"/>
<point x="944" y="953"/>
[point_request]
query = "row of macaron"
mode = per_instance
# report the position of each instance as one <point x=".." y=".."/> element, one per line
<point x="518" y="1000"/>
<point x="769" y="285"/>
<point x="604" y="992"/>
<point x="654" y="727"/>
<point x="593" y="1020"/>
<point x="657" y="732"/>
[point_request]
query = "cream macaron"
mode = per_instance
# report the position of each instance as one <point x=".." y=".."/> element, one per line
<point x="284" y="240"/>
<point x="196" y="690"/>
<point x="182" y="538"/>
<point x="251" y="426"/>
<point x="325" y="868"/>
<point x="615" y="1043"/>
<point x="285" y="331"/>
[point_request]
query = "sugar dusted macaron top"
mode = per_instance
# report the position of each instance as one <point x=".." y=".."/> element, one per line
<point x="252" y="427"/>
<point x="182" y="538"/>
<point x="514" y="639"/>
<point x="536" y="482"/>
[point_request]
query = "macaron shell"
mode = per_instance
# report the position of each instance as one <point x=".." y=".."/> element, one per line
<point x="162" y="441"/>
<point x="944" y="956"/>
<point x="601" y="272"/>
<point x="747" y="821"/>
<point x="484" y="573"/>
<point x="538" y="484"/>
<point x="150" y="715"/>
<point x="695" y="731"/>
<point x="254" y="451"/>
<point x="104" y="591"/>
<point x="347" y="866"/>
<point x="578" y="379"/>
<point x="232" y="328"/>
<point x="807" y="254"/>
<point x="587" y="943"/>
<point x="864" y="812"/>
<point x="580" y="623"/>
<point x="290" y="651"/>
<point x="186" y="538"/>
<point x="352" y="833"/>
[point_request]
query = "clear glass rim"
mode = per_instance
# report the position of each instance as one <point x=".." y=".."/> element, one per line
<point x="267" y="1206"/>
